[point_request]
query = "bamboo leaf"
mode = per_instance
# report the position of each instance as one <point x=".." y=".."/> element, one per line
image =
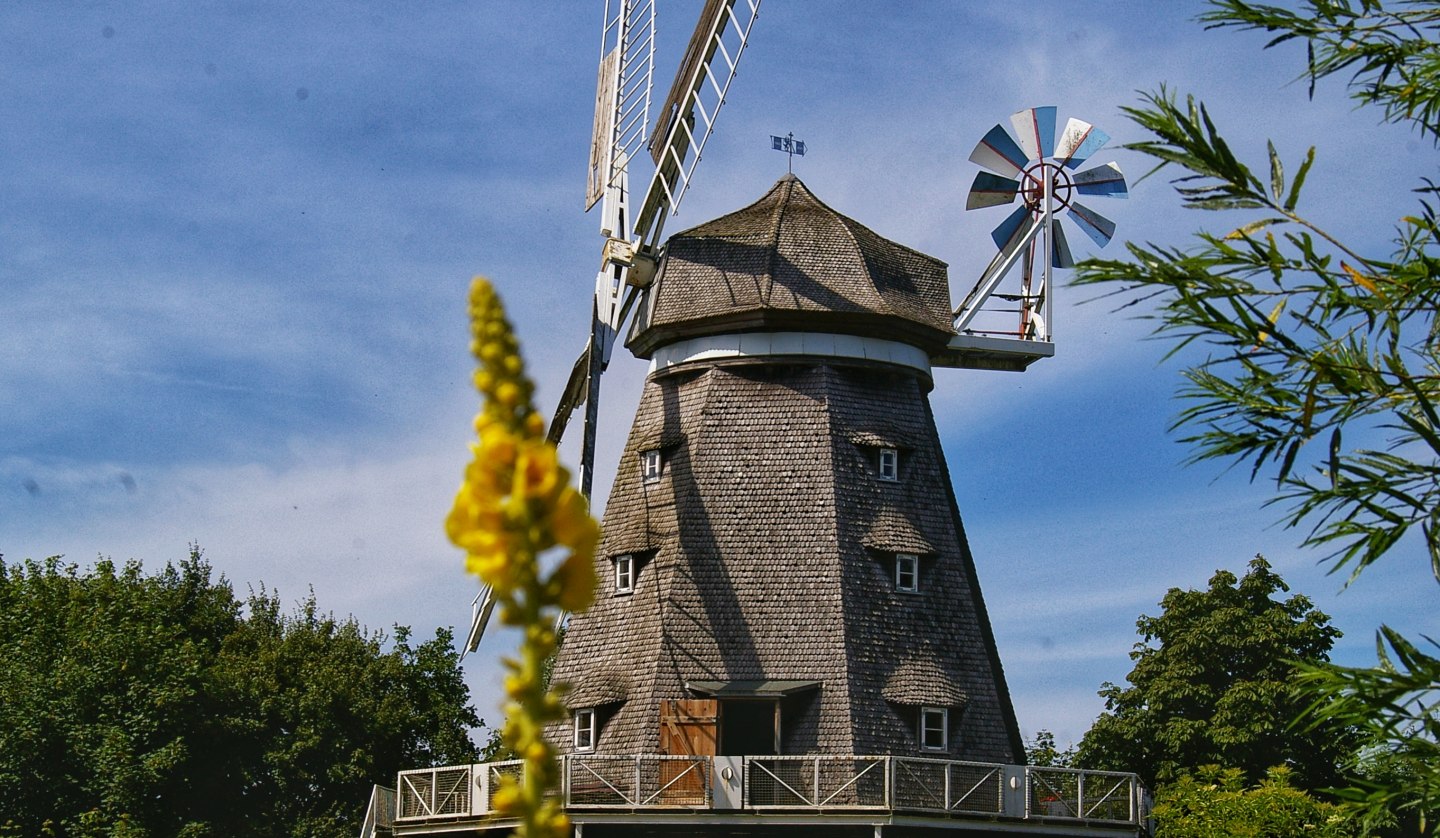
<point x="1253" y="227"/>
<point x="1277" y="173"/>
<point x="1273" y="317"/>
<point x="1335" y="458"/>
<point x="1310" y="62"/>
<point x="1359" y="279"/>
<point x="1307" y="413"/>
<point x="1294" y="197"/>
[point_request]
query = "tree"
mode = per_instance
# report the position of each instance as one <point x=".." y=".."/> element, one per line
<point x="1213" y="683"/>
<point x="158" y="705"/>
<point x="1042" y="752"/>
<point x="1215" y="801"/>
<point x="1322" y="370"/>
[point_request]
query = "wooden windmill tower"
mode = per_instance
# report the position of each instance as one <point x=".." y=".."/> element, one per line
<point x="789" y="632"/>
<point x="784" y="568"/>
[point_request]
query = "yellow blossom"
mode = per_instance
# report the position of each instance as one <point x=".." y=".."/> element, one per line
<point x="515" y="503"/>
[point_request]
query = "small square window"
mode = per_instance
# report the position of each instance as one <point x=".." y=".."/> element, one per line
<point x="585" y="729"/>
<point x="889" y="464"/>
<point x="934" y="728"/>
<point x="624" y="574"/>
<point x="650" y="464"/>
<point x="907" y="573"/>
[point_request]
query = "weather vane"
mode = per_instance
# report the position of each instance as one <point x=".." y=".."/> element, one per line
<point x="790" y="146"/>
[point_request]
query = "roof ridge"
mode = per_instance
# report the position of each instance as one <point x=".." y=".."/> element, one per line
<point x="778" y="219"/>
<point x="843" y="683"/>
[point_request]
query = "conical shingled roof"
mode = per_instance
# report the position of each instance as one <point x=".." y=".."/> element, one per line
<point x="788" y="262"/>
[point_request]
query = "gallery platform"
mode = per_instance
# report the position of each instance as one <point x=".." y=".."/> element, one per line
<point x="653" y="795"/>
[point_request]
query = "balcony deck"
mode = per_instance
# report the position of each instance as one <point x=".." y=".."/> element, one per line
<point x="772" y="791"/>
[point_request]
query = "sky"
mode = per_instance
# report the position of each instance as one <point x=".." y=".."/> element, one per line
<point x="235" y="241"/>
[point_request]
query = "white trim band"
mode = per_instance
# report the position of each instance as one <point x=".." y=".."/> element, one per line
<point x="814" y="344"/>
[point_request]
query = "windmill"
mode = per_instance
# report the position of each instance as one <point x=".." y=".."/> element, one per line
<point x="788" y="634"/>
<point x="633" y="243"/>
<point x="783" y="568"/>
<point x="1042" y="174"/>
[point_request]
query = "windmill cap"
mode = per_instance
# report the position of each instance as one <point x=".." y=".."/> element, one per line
<point x="790" y="263"/>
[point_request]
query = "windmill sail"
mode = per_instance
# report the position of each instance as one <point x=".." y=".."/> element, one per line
<point x="622" y="93"/>
<point x="687" y="118"/>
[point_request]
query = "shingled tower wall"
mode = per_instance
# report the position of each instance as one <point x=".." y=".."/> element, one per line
<point x="789" y="348"/>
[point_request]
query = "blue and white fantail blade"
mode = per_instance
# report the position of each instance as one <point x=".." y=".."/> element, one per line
<point x="1035" y="128"/>
<point x="1060" y="249"/>
<point x="1012" y="228"/>
<point x="1102" y="180"/>
<point x="999" y="153"/>
<point x="991" y="191"/>
<point x="1079" y="142"/>
<point x="1099" y="228"/>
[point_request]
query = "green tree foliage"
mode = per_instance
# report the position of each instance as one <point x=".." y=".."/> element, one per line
<point x="1213" y="683"/>
<point x="162" y="705"/>
<point x="1393" y="706"/>
<point x="1322" y="362"/>
<point x="1042" y="752"/>
<point x="1214" y="802"/>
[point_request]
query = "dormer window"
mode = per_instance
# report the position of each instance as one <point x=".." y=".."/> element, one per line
<point x="585" y="729"/>
<point x="934" y="729"/>
<point x="889" y="464"/>
<point x="650" y="464"/>
<point x="907" y="573"/>
<point x="625" y="574"/>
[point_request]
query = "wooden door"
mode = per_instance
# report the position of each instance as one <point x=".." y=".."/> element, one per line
<point x="688" y="727"/>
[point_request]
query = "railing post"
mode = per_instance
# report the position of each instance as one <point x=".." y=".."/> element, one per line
<point x="815" y="789"/>
<point x="635" y="789"/>
<point x="1016" y="791"/>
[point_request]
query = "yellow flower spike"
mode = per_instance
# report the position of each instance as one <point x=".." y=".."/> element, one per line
<point x="508" y="394"/>
<point x="515" y="503"/>
<point x="506" y="798"/>
<point x="572" y="524"/>
<point x="576" y="576"/>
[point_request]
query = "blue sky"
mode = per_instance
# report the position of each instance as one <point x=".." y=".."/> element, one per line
<point x="235" y="241"/>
